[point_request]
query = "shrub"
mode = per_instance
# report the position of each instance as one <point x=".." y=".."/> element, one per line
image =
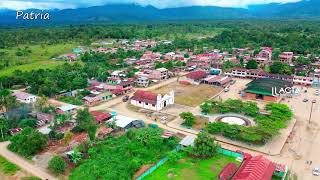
<point x="57" y="165"/>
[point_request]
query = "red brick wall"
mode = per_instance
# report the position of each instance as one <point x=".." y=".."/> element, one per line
<point x="265" y="98"/>
<point x="250" y="96"/>
<point x="270" y="98"/>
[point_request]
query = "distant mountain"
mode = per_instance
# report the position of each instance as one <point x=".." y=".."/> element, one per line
<point x="302" y="9"/>
<point x="115" y="13"/>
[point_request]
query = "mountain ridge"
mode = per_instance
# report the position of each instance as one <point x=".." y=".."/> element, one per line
<point x="115" y="13"/>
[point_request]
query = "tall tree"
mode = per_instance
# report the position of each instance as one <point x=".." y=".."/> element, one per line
<point x="204" y="146"/>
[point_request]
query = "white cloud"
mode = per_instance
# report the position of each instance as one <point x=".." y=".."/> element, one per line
<point x="63" y="4"/>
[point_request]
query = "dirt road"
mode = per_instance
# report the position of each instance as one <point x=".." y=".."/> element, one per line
<point x="24" y="164"/>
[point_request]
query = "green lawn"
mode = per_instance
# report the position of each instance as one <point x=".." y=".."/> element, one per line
<point x="191" y="168"/>
<point x="39" y="58"/>
<point x="32" y="66"/>
<point x="7" y="167"/>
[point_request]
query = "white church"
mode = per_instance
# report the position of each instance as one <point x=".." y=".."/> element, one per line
<point x="152" y="101"/>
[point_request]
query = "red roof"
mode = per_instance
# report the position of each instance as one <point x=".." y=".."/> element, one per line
<point x="145" y="96"/>
<point x="254" y="168"/>
<point x="197" y="75"/>
<point x="100" y="116"/>
<point x="228" y="171"/>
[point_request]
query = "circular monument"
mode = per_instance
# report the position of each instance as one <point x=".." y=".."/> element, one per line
<point x="234" y="120"/>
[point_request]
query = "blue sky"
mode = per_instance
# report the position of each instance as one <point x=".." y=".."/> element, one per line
<point x="63" y="4"/>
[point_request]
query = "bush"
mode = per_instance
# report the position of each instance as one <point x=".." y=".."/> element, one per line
<point x="28" y="142"/>
<point x="189" y="119"/>
<point x="267" y="126"/>
<point x="57" y="165"/>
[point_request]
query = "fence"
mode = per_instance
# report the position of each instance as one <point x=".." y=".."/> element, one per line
<point x="157" y="165"/>
<point x="227" y="152"/>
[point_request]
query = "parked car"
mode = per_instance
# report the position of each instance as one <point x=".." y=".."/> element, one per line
<point x="314" y="101"/>
<point x="226" y="89"/>
<point x="316" y="172"/>
<point x="125" y="98"/>
<point x="305" y="100"/>
<point x="232" y="82"/>
<point x="317" y="92"/>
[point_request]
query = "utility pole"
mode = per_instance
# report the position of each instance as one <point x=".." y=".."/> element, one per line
<point x="311" y="112"/>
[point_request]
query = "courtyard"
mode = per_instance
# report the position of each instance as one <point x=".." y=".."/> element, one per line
<point x="189" y="95"/>
<point x="191" y="168"/>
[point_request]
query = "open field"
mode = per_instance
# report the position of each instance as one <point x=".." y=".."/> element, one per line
<point x="189" y="95"/>
<point x="32" y="66"/>
<point x="193" y="169"/>
<point x="38" y="58"/>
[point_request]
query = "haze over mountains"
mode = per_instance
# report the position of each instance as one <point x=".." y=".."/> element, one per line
<point x="136" y="13"/>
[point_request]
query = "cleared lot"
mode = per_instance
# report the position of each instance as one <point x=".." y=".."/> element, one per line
<point x="189" y="95"/>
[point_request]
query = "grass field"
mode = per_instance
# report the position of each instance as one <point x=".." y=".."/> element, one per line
<point x="39" y="58"/>
<point x="7" y="167"/>
<point x="189" y="95"/>
<point x="192" y="169"/>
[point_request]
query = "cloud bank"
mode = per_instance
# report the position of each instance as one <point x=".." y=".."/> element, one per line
<point x="66" y="4"/>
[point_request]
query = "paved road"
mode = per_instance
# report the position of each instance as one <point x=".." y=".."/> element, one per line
<point x="24" y="164"/>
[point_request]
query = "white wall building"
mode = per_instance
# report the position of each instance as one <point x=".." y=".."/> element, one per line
<point x="152" y="101"/>
<point x="25" y="97"/>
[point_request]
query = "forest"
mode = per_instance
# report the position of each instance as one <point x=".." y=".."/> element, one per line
<point x="40" y="44"/>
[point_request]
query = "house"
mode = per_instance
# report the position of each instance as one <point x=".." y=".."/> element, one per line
<point x="44" y="118"/>
<point x="100" y="116"/>
<point x="301" y="80"/>
<point x="263" y="89"/>
<point x="254" y="168"/>
<point x="97" y="97"/>
<point x="228" y="171"/>
<point x="152" y="101"/>
<point x="25" y="97"/>
<point x="69" y="57"/>
<point x="15" y="131"/>
<point x="196" y="76"/>
<point x="159" y="74"/>
<point x="222" y="81"/>
<point x="67" y="109"/>
<point x="286" y="57"/>
<point x="187" y="141"/>
<point x="103" y="131"/>
<point x="125" y="122"/>
<point x="142" y="81"/>
<point x="264" y="55"/>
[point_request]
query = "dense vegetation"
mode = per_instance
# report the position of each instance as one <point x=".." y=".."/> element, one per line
<point x="28" y="142"/>
<point x="267" y="126"/>
<point x="17" y="45"/>
<point x="120" y="157"/>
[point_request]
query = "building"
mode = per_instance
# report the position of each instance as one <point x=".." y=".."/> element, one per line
<point x="301" y="80"/>
<point x="217" y="80"/>
<point x="265" y="89"/>
<point x="152" y="101"/>
<point x="255" y="168"/>
<point x="142" y="81"/>
<point x="286" y="57"/>
<point x="100" y="116"/>
<point x="25" y="97"/>
<point x="228" y="171"/>
<point x="96" y="98"/>
<point x="196" y="76"/>
<point x="67" y="109"/>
